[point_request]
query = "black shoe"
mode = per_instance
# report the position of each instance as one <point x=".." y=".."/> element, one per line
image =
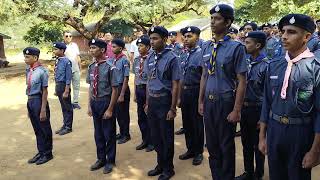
<point x="124" y="139"/>
<point x="43" y="159"/>
<point x="149" y="148"/>
<point x="238" y="133"/>
<point x="108" y="168"/>
<point x="197" y="160"/>
<point x="118" y="136"/>
<point x="180" y="131"/>
<point x="166" y="175"/>
<point x="65" y="131"/>
<point x="186" y="156"/>
<point x="76" y="106"/>
<point x="97" y="165"/>
<point x="34" y="159"/>
<point x="244" y="176"/>
<point x="143" y="145"/>
<point x="58" y="131"/>
<point x="155" y="172"/>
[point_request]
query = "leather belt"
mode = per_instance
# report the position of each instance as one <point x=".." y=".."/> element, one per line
<point x="36" y="96"/>
<point x="191" y="87"/>
<point x="104" y="98"/>
<point x="291" y="120"/>
<point x="251" y="104"/>
<point x="156" y="95"/>
<point x="141" y="86"/>
<point x="214" y="96"/>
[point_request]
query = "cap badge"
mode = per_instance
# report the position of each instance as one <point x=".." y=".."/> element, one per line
<point x="217" y="9"/>
<point x="189" y="29"/>
<point x="139" y="40"/>
<point x="93" y="41"/>
<point x="152" y="29"/>
<point x="292" y="20"/>
<point x="27" y="51"/>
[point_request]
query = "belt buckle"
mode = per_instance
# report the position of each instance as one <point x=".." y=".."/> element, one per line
<point x="211" y="97"/>
<point x="185" y="87"/>
<point x="284" y="120"/>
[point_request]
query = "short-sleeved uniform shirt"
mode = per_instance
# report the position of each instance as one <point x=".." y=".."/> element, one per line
<point x="123" y="66"/>
<point x="161" y="69"/>
<point x="38" y="80"/>
<point x="137" y="68"/>
<point x="63" y="71"/>
<point x="107" y="78"/>
<point x="303" y="92"/>
<point x="230" y="61"/>
<point x="191" y="67"/>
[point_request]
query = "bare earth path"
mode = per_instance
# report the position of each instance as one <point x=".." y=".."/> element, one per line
<point x="75" y="152"/>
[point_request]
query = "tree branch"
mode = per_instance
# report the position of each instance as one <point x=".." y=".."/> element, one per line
<point x="109" y="12"/>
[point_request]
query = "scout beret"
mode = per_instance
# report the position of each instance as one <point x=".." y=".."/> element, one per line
<point x="226" y="11"/>
<point x="98" y="42"/>
<point x="317" y="21"/>
<point x="172" y="33"/>
<point x="275" y="24"/>
<point x="118" y="42"/>
<point x="233" y="30"/>
<point x="60" y="45"/>
<point x="266" y="25"/>
<point x="299" y="20"/>
<point x="143" y="40"/>
<point x="31" y="51"/>
<point x="192" y="29"/>
<point x="257" y="35"/>
<point x="252" y="24"/>
<point x="163" y="32"/>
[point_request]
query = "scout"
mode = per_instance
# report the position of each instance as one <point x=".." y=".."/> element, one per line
<point x="271" y="40"/>
<point x="103" y="94"/>
<point x="140" y="82"/>
<point x="222" y="91"/>
<point x="257" y="60"/>
<point x="63" y="76"/>
<point x="191" y="67"/>
<point x="290" y="115"/>
<point x="162" y="69"/>
<point x="121" y="62"/>
<point x="38" y="107"/>
<point x="173" y="44"/>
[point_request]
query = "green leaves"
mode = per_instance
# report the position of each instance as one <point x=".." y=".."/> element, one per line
<point x="45" y="32"/>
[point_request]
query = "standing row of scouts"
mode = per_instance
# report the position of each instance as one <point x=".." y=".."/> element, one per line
<point x="217" y="83"/>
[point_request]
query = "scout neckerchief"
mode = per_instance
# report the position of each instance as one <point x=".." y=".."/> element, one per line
<point x="56" y="64"/>
<point x="96" y="77"/>
<point x="117" y="57"/>
<point x="305" y="54"/>
<point x="257" y="60"/>
<point x="189" y="51"/>
<point x="141" y="63"/>
<point x="32" y="68"/>
<point x="212" y="63"/>
<point x="158" y="56"/>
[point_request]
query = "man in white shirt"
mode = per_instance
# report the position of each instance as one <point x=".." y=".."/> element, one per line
<point x="133" y="47"/>
<point x="72" y="53"/>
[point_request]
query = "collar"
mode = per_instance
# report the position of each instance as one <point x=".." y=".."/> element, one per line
<point x="35" y="65"/>
<point x="119" y="56"/>
<point x="258" y="59"/>
<point x="305" y="54"/>
<point x="226" y="38"/>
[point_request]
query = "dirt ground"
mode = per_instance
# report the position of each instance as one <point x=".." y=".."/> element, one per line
<point x="75" y="152"/>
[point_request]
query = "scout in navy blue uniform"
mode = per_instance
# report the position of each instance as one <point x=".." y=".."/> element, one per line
<point x="140" y="82"/>
<point x="222" y="91"/>
<point x="122" y="108"/>
<point x="257" y="60"/>
<point x="103" y="94"/>
<point x="271" y="41"/>
<point x="63" y="76"/>
<point x="162" y="69"/>
<point x="174" y="45"/>
<point x="38" y="107"/>
<point x="191" y="68"/>
<point x="290" y="116"/>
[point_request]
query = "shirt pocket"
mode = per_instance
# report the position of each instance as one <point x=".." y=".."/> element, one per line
<point x="304" y="95"/>
<point x="274" y="85"/>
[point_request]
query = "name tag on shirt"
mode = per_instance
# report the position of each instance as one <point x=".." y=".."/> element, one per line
<point x="273" y="77"/>
<point x="92" y="75"/>
<point x="150" y="64"/>
<point x="207" y="55"/>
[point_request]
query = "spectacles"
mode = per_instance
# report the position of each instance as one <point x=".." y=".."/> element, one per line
<point x="67" y="36"/>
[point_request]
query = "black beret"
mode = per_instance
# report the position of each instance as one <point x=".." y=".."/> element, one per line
<point x="118" y="42"/>
<point x="252" y="24"/>
<point x="266" y="25"/>
<point x="98" y="42"/>
<point x="257" y="35"/>
<point x="31" y="51"/>
<point x="299" y="20"/>
<point x="317" y="21"/>
<point x="60" y="45"/>
<point x="233" y="30"/>
<point x="275" y="24"/>
<point x="173" y="33"/>
<point x="163" y="32"/>
<point x="143" y="40"/>
<point x="226" y="11"/>
<point x="192" y="29"/>
<point x="241" y="28"/>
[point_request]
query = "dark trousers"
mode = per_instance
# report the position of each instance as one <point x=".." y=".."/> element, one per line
<point x="104" y="130"/>
<point x="192" y="121"/>
<point x="250" y="141"/>
<point x="122" y="113"/>
<point x="66" y="106"/>
<point x="42" y="129"/>
<point x="142" y="117"/>
<point x="162" y="130"/>
<point x="220" y="137"/>
<point x="287" y="145"/>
